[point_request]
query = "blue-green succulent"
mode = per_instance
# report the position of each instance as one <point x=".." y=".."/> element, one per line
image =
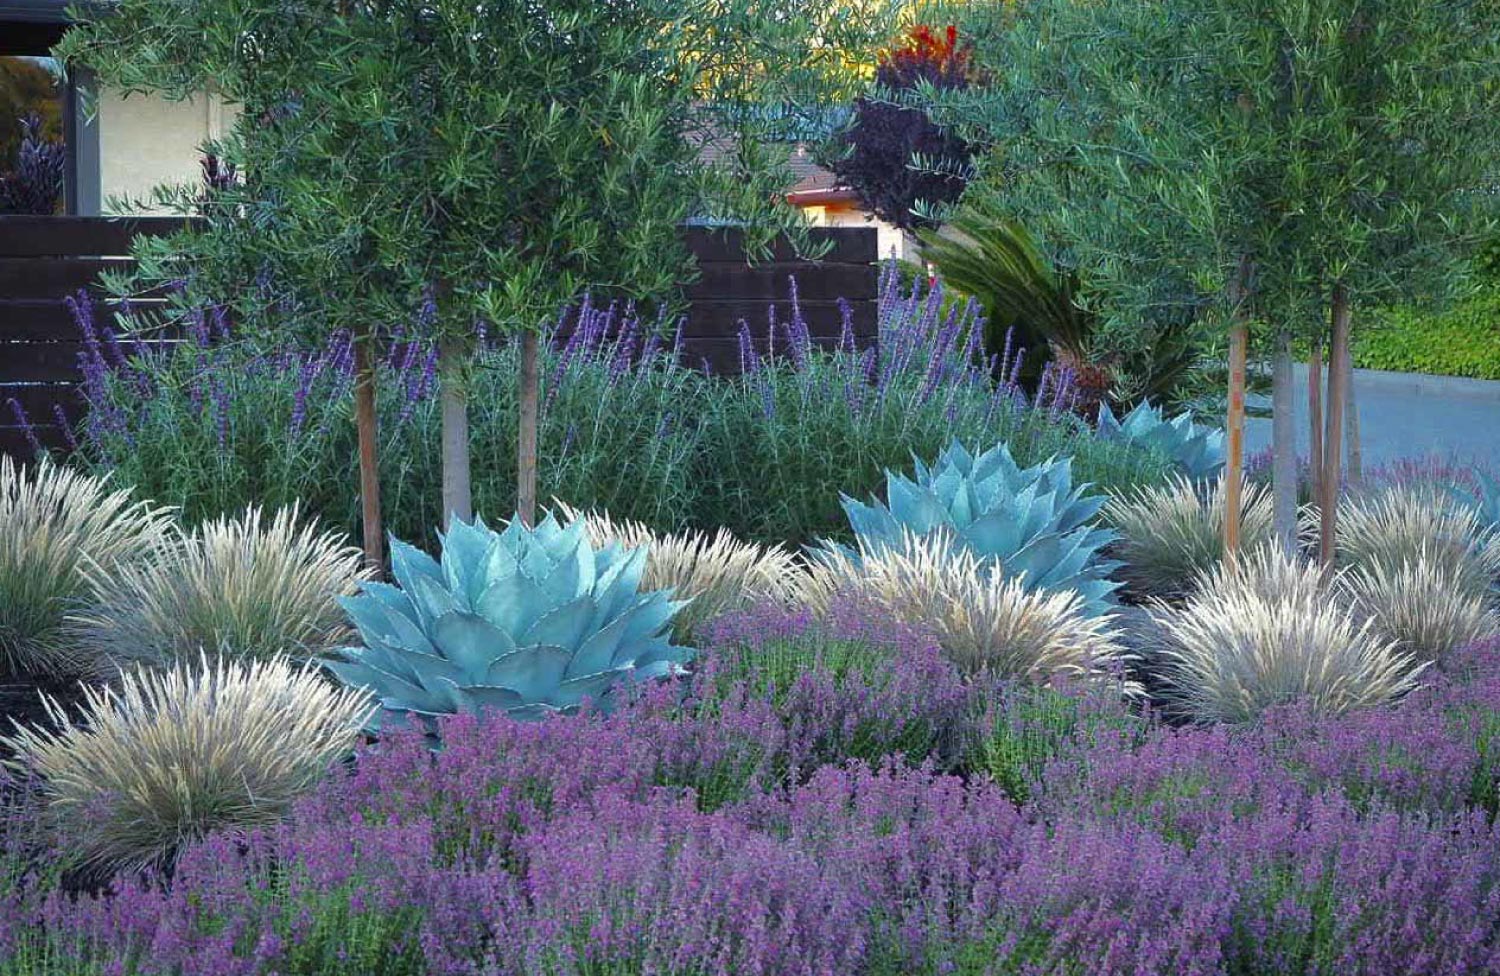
<point x="1030" y="522"/>
<point x="1483" y="496"/>
<point x="1196" y="449"/>
<point x="527" y="621"/>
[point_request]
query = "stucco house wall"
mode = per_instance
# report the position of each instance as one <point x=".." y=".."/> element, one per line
<point x="146" y="141"/>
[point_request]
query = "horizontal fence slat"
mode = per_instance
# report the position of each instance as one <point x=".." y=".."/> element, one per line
<point x="41" y="319"/>
<point x="13" y="441"/>
<point x="53" y="277"/>
<point x="76" y="236"/>
<point x="723" y="355"/>
<point x="38" y="399"/>
<point x="51" y="362"/>
<point x="722" y="317"/>
<point x="44" y="259"/>
<point x="848" y="245"/>
<point x="823" y="283"/>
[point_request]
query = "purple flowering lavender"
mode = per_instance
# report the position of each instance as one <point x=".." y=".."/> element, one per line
<point x="27" y="429"/>
<point x="588" y="844"/>
<point x="308" y="372"/>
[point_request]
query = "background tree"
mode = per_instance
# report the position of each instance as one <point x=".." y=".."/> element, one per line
<point x="905" y="167"/>
<point x="462" y="163"/>
<point x="27" y="86"/>
<point x="1293" y="158"/>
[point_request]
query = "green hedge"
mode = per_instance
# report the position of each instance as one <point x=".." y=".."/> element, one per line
<point x="1464" y="340"/>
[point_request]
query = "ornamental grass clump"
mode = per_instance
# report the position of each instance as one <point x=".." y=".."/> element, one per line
<point x="54" y="523"/>
<point x="718" y="573"/>
<point x="167" y="757"/>
<point x="1266" y="630"/>
<point x="247" y="587"/>
<point x="1420" y="604"/>
<point x="1399" y="524"/>
<point x="986" y="620"/>
<point x="1169" y="534"/>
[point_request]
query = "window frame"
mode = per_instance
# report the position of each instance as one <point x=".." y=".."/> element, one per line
<point x="29" y="28"/>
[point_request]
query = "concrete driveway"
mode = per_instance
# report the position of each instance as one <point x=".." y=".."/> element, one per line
<point x="1409" y="415"/>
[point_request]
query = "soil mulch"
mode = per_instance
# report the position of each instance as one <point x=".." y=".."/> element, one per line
<point x="21" y="703"/>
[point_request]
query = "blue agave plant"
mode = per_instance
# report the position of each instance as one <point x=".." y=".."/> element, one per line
<point x="1029" y="521"/>
<point x="1197" y="450"/>
<point x="529" y="621"/>
<point x="1483" y="497"/>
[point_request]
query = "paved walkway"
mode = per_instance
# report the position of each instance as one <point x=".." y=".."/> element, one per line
<point x="1409" y="415"/>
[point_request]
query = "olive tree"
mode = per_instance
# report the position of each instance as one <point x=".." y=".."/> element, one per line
<point x="1294" y="158"/>
<point x="482" y="162"/>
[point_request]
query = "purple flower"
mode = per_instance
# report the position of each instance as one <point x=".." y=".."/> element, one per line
<point x="65" y="425"/>
<point x="197" y="321"/>
<point x="26" y="428"/>
<point x="310" y="368"/>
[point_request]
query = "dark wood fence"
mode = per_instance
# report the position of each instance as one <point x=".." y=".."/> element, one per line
<point x="43" y="260"/>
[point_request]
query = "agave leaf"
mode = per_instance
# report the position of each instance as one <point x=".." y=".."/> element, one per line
<point x="387" y="686"/>
<point x="563" y="626"/>
<point x="499" y="565"/>
<point x="433" y="601"/>
<point x="870" y="521"/>
<point x="648" y="617"/>
<point x="1079" y="508"/>
<point x="471" y="643"/>
<point x="915" y="508"/>
<point x="513" y="604"/>
<point x="371" y="617"/>
<point x="531" y="671"/>
<point x="464" y="549"/>
<point x="533" y="712"/>
<point x="408" y="564"/>
<point x="553" y="535"/>
<point x="572" y="691"/>
<point x="409" y="634"/>
<point x="397" y="717"/>
<point x="597" y="652"/>
<point x="991" y="536"/>
<point x="657" y="663"/>
<point x="476" y="698"/>
<point x="414" y="666"/>
<point x="571" y="575"/>
<point x="388" y="596"/>
<point x="618" y="585"/>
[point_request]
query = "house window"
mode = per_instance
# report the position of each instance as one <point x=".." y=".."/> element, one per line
<point x="32" y="83"/>
<point x="33" y="135"/>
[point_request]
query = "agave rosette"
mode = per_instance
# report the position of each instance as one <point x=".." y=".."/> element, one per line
<point x="528" y="621"/>
<point x="1034" y="522"/>
<point x="1196" y="449"/>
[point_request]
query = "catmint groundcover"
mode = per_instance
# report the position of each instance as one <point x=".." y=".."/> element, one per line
<point x="790" y="809"/>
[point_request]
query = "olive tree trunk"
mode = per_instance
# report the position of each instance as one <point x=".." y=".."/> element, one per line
<point x="1234" y="462"/>
<point x="369" y="462"/>
<point x="453" y="398"/>
<point x="1315" y="418"/>
<point x="1284" y="444"/>
<point x="1333" y="435"/>
<point x="1355" y="451"/>
<point x="526" y="446"/>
